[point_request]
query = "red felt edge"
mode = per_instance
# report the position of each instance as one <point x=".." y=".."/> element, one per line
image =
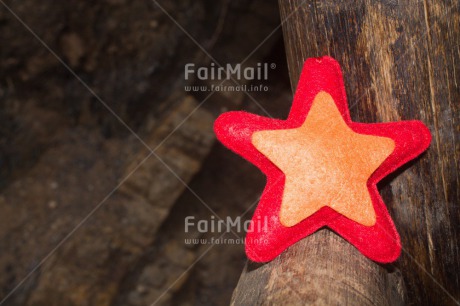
<point x="264" y="242"/>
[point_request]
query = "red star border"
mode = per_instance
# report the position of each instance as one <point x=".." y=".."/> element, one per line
<point x="267" y="237"/>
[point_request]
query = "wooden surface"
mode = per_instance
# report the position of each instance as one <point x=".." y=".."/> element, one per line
<point x="322" y="269"/>
<point x="400" y="61"/>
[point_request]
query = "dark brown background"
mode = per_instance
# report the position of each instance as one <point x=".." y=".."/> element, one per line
<point x="65" y="140"/>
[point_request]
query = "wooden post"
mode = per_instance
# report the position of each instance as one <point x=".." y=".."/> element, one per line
<point x="400" y="61"/>
<point x="322" y="269"/>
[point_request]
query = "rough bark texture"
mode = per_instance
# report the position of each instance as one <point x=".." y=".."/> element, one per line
<point x="62" y="153"/>
<point x="322" y="269"/>
<point x="400" y="61"/>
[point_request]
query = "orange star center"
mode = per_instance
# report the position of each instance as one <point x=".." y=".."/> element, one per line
<point x="325" y="163"/>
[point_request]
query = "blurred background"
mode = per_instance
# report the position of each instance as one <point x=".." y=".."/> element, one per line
<point x="104" y="151"/>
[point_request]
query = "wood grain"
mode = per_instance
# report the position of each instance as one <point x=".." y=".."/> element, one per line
<point x="322" y="269"/>
<point x="401" y="61"/>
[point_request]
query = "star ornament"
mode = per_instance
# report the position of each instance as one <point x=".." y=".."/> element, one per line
<point x="322" y="168"/>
